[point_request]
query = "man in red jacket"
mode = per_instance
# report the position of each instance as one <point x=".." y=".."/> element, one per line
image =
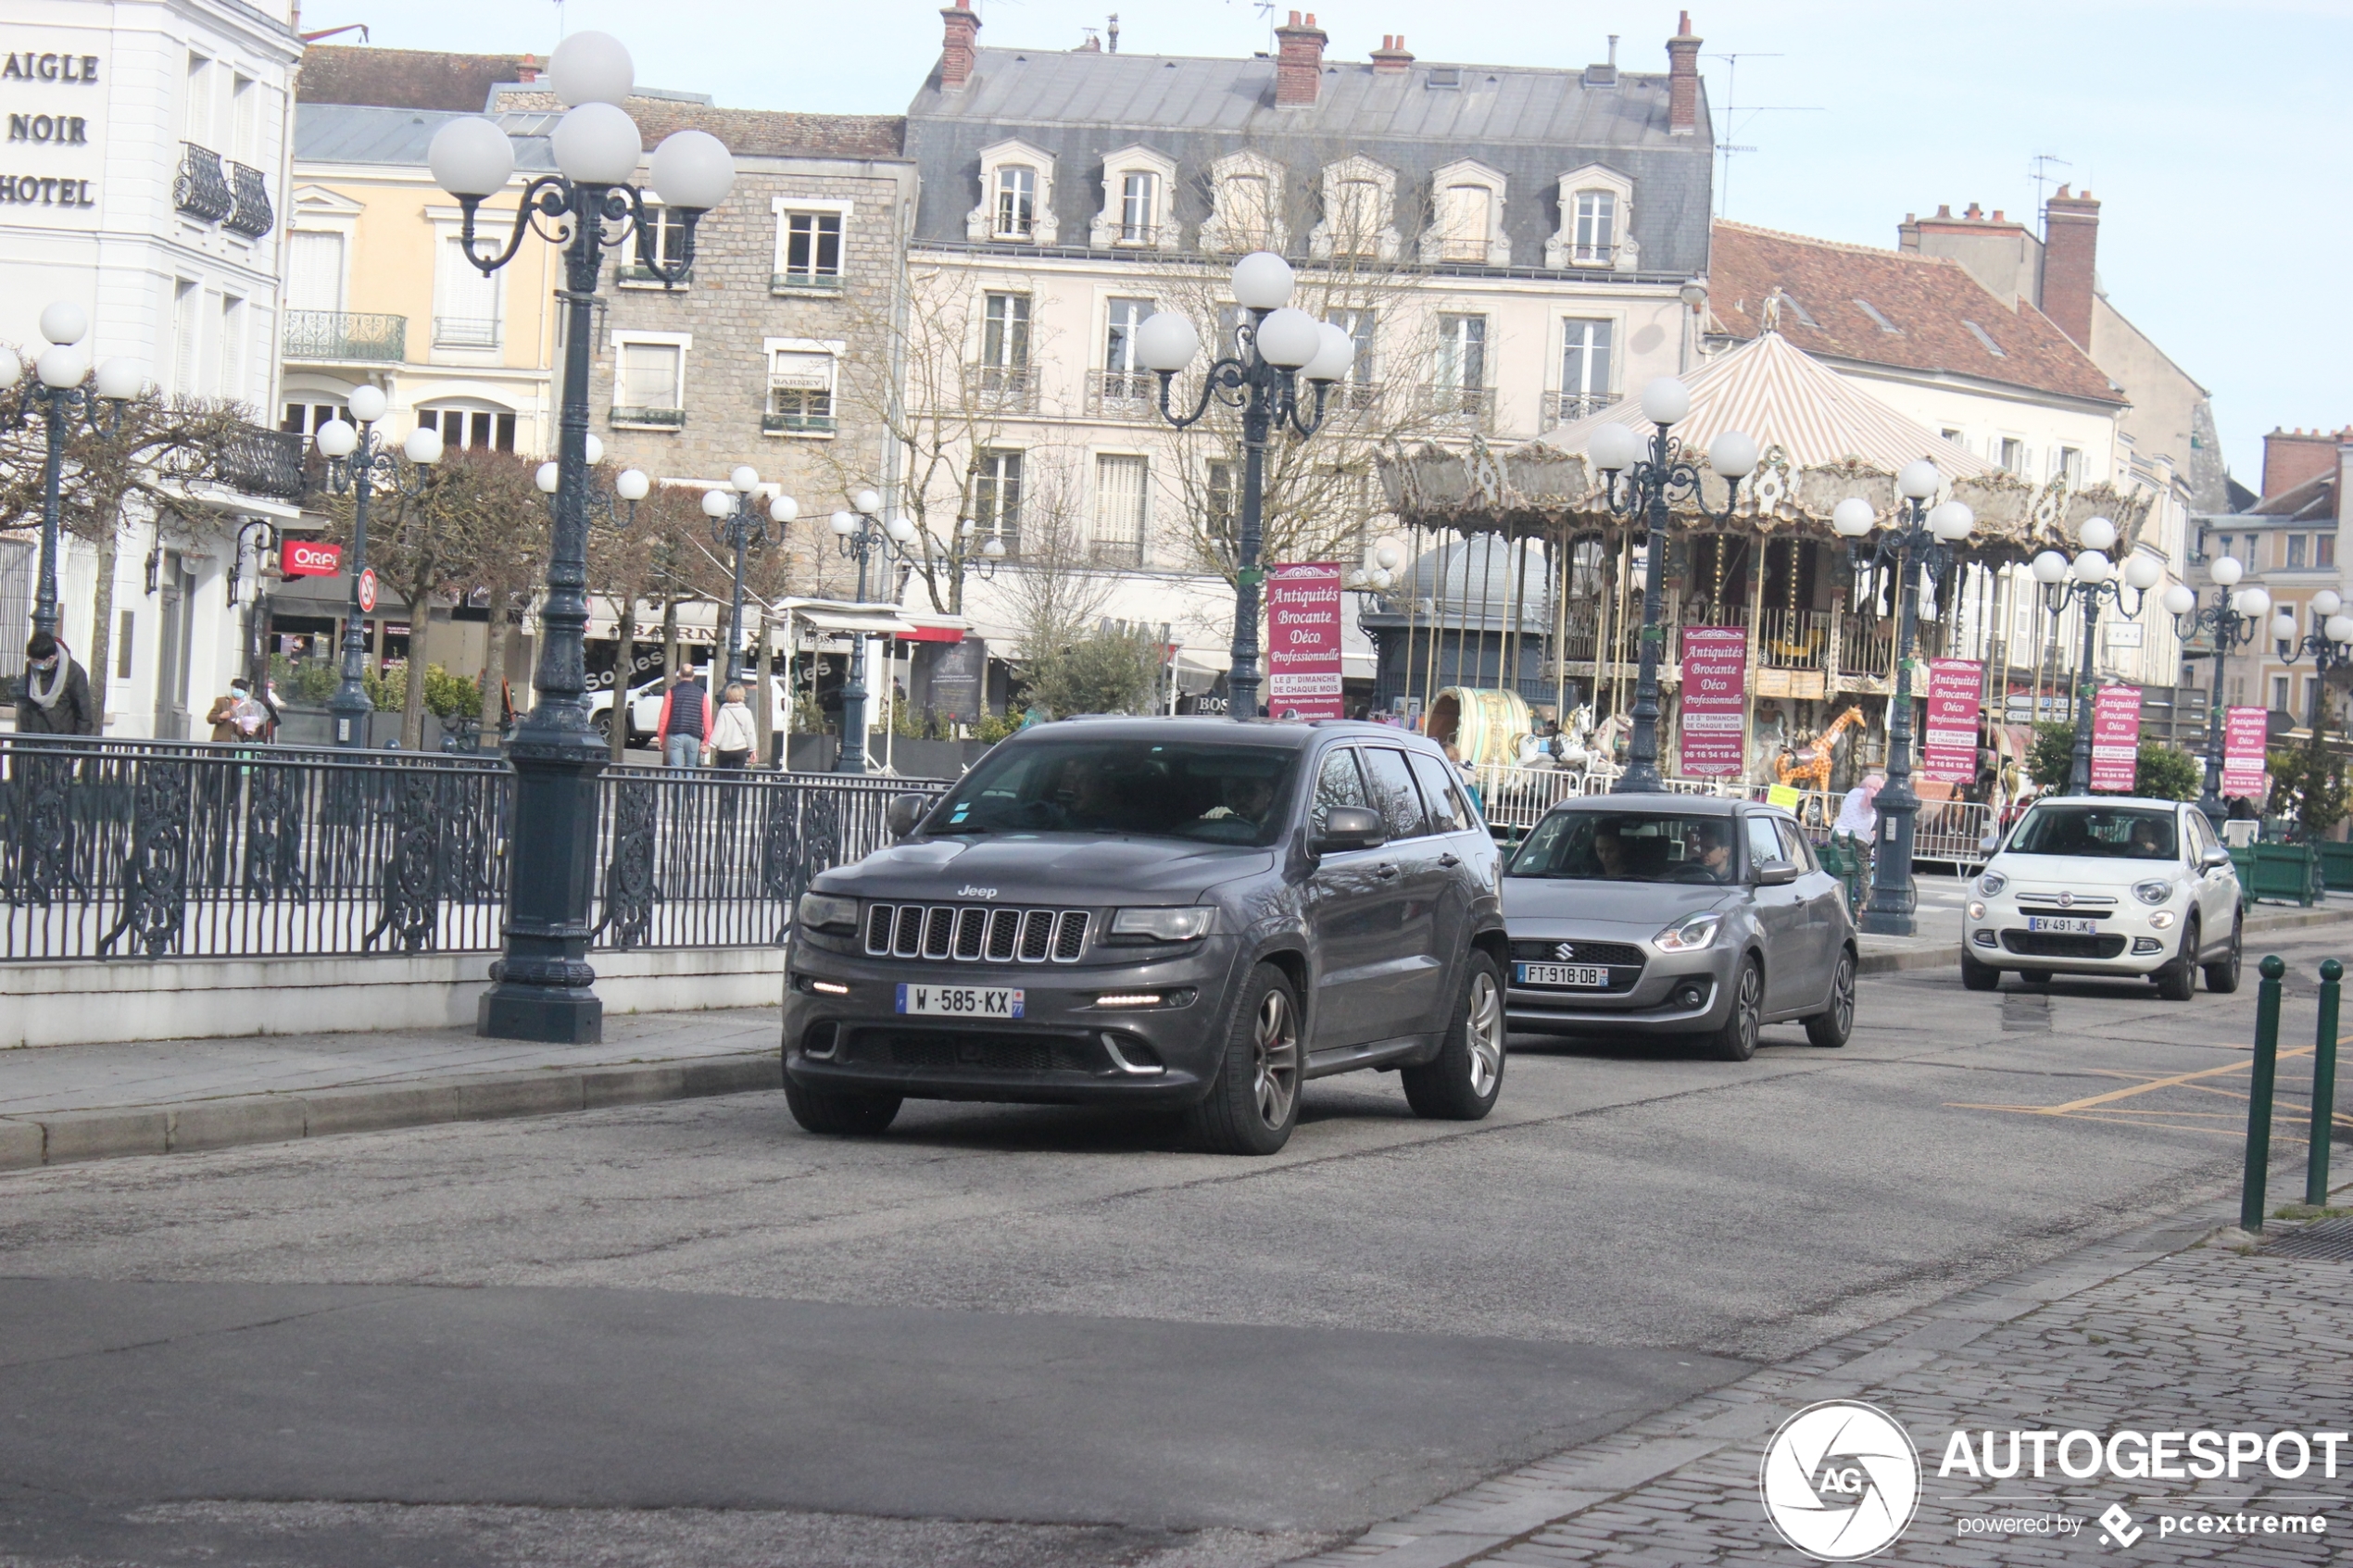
<point x="685" y="724"/>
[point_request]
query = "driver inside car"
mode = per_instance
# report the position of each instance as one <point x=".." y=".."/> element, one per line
<point x="1707" y="853"/>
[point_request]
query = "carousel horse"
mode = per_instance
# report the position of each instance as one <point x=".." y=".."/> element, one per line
<point x="1814" y="770"/>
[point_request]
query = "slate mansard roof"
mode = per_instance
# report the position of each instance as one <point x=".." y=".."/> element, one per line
<point x="1532" y="125"/>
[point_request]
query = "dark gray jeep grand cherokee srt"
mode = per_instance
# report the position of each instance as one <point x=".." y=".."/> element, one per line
<point x="1192" y="913"/>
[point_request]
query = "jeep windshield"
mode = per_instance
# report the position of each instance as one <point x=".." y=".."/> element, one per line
<point x="2117" y="832"/>
<point x="1152" y="789"/>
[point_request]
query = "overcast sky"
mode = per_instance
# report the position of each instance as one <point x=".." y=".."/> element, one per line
<point x="2215" y="133"/>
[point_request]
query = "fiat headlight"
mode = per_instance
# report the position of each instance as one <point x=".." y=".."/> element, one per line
<point x="1976" y="909"/>
<point x="2152" y="892"/>
<point x="1688" y="934"/>
<point x="1991" y="883"/>
<point x="823" y="911"/>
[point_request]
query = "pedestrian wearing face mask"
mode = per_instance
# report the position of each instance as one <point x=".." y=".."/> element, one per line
<point x="55" y="697"/>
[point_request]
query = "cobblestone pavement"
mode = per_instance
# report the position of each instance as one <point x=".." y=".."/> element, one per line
<point x="2158" y="1331"/>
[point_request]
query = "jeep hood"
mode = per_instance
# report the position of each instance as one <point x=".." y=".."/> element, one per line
<point x="1047" y="867"/>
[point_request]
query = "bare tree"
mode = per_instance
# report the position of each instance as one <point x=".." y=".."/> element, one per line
<point x="141" y="465"/>
<point x="964" y="370"/>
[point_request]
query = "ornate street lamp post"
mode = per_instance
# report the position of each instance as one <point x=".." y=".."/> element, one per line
<point x="358" y="461"/>
<point x="2328" y="647"/>
<point x="1920" y="538"/>
<point x="862" y="533"/>
<point x="735" y="525"/>
<point x="2231" y="622"/>
<point x="544" y="987"/>
<point x="1634" y="485"/>
<point x="1278" y="345"/>
<point x="2091" y="581"/>
<point x="57" y="387"/>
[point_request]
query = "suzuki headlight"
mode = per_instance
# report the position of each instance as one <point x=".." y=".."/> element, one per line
<point x="823" y="911"/>
<point x="1690" y="934"/>
<point x="2152" y="892"/>
<point x="1991" y="883"/>
<point x="1160" y="925"/>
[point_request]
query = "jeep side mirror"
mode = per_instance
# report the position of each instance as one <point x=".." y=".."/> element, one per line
<point x="1776" y="874"/>
<point x="904" y="812"/>
<point x="1349" y="827"/>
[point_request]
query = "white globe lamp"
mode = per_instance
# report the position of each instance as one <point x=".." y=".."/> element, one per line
<point x="1916" y="479"/>
<point x="2143" y="572"/>
<point x="784" y="509"/>
<point x="121" y="379"/>
<point x="1852" y="518"/>
<point x="2325" y="603"/>
<point x="2180" y="599"/>
<point x="2093" y="567"/>
<point x="368" y="404"/>
<point x="2227" y="570"/>
<point x="1336" y="351"/>
<point x="1290" y="338"/>
<point x="547" y="477"/>
<point x="2097" y="534"/>
<point x="1732" y="454"/>
<point x="1612" y="447"/>
<point x="1665" y="401"/>
<point x="337" y="438"/>
<point x="692" y="171"/>
<point x="591" y="68"/>
<point x="61" y="366"/>
<point x="64" y="322"/>
<point x="598" y="145"/>
<point x="471" y="157"/>
<point x="633" y="486"/>
<point x="1166" y="341"/>
<point x="843" y="524"/>
<point x="424" y="445"/>
<point x="2050" y="568"/>
<point x="1951" y="521"/>
<point x="718" y="503"/>
<point x="1262" y="282"/>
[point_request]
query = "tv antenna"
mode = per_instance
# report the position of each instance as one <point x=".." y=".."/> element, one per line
<point x="1733" y="124"/>
<point x="2039" y="169"/>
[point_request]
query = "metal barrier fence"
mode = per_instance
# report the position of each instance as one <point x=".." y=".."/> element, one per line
<point x="1946" y="831"/>
<point x="157" y="848"/>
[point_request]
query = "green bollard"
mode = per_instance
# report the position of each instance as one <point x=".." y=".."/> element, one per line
<point x="2258" y="1094"/>
<point x="2316" y="1168"/>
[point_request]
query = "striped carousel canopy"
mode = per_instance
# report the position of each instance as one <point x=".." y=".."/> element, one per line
<point x="1782" y="396"/>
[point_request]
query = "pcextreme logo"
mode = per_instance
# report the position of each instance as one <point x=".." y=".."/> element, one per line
<point x="1840" y="1480"/>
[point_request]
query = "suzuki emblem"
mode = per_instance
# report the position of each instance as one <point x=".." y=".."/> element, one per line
<point x="1565" y="952"/>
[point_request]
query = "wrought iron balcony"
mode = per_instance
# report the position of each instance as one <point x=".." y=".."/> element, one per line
<point x="336" y="335"/>
<point x="465" y="332"/>
<point x="650" y="418"/>
<point x="262" y="462"/>
<point x="1471" y="407"/>
<point x="201" y="189"/>
<point x="250" y="213"/>
<point x="1567" y="407"/>
<point x="1005" y="389"/>
<point x="1122" y="395"/>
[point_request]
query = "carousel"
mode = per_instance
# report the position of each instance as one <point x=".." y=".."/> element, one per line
<point x="1513" y="629"/>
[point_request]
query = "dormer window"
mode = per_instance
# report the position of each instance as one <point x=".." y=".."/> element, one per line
<point x="1246" y="200"/>
<point x="1469" y="201"/>
<point x="1596" y="222"/>
<point x="1139" y="209"/>
<point x="1360" y="197"/>
<point x="1016" y="196"/>
<point x="1137" y="186"/>
<point x="1595" y="243"/>
<point x="1016" y="202"/>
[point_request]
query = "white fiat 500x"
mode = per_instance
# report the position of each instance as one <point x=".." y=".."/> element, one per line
<point x="2106" y="885"/>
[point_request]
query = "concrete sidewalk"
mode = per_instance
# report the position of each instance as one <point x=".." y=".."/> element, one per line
<point x="61" y="1103"/>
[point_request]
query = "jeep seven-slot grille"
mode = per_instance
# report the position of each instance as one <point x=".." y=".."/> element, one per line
<point x="975" y="933"/>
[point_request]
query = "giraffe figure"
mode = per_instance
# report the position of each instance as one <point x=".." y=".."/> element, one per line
<point x="1814" y="770"/>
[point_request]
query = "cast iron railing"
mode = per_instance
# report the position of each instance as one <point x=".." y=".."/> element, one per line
<point x="113" y="849"/>
<point x="201" y="187"/>
<point x="345" y="335"/>
<point x="250" y="213"/>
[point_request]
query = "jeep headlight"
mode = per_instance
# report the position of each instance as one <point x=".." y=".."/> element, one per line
<point x="1688" y="934"/>
<point x="1991" y="883"/>
<point x="2152" y="892"/>
<point x="1160" y="925"/>
<point x="823" y="911"/>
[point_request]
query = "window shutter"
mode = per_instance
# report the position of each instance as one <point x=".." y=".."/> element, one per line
<point x="314" y="270"/>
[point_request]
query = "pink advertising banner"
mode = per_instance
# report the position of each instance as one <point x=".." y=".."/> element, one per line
<point x="1715" y="680"/>
<point x="2116" y="738"/>
<point x="1948" y="733"/>
<point x="1302" y="641"/>
<point x="2246" y="732"/>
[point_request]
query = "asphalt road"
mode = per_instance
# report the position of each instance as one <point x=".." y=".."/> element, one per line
<point x="690" y="1334"/>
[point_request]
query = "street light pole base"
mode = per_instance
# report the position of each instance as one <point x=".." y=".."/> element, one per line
<point x="1876" y="923"/>
<point x="562" y="1015"/>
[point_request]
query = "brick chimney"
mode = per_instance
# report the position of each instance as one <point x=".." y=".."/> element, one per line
<point x="960" y="42"/>
<point x="1682" y="80"/>
<point x="2292" y="456"/>
<point x="1299" y="63"/>
<point x="2071" y="254"/>
<point x="1391" y="58"/>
